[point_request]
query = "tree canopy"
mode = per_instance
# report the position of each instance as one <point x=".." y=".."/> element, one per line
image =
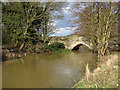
<point x="25" y="23"/>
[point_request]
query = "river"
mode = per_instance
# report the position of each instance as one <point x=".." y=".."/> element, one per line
<point x="47" y="70"/>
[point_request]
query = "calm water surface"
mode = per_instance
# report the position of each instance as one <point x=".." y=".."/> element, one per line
<point x="47" y="71"/>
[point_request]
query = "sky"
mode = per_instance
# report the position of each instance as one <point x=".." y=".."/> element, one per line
<point x="64" y="23"/>
<point x="63" y="26"/>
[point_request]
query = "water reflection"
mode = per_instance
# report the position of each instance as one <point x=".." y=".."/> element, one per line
<point x="45" y="70"/>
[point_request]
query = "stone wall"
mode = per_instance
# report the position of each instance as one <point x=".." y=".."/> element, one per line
<point x="69" y="41"/>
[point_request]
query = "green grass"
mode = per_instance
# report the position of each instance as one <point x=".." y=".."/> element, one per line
<point x="105" y="76"/>
<point x="62" y="51"/>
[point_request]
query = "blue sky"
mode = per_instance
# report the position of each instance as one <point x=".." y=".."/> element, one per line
<point x="67" y="16"/>
<point x="64" y="23"/>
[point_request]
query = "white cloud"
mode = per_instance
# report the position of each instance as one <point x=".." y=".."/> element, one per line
<point x="64" y="31"/>
<point x="53" y="23"/>
<point x="66" y="9"/>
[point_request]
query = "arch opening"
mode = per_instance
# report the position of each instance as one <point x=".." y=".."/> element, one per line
<point x="77" y="47"/>
<point x="80" y="47"/>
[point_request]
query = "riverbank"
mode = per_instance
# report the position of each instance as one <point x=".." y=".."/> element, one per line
<point x="57" y="48"/>
<point x="104" y="76"/>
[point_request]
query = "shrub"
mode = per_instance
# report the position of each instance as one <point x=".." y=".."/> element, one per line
<point x="56" y="46"/>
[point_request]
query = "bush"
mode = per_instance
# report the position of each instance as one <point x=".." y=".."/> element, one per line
<point x="56" y="46"/>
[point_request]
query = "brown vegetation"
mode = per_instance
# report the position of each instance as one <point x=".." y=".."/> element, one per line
<point x="104" y="76"/>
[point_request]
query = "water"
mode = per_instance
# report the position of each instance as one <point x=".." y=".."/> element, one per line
<point x="47" y="71"/>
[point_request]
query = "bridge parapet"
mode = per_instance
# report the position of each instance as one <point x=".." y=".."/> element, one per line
<point x="70" y="41"/>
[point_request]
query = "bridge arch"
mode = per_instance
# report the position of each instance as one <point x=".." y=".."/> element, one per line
<point x="71" y="42"/>
<point x="76" y="45"/>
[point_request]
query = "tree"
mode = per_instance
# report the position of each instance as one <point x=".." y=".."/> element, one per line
<point x="23" y="20"/>
<point x="97" y="21"/>
<point x="18" y="18"/>
<point x="50" y="9"/>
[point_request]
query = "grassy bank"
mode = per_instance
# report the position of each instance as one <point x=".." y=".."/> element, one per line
<point x="104" y="76"/>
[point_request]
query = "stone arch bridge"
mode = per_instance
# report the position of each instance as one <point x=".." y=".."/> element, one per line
<point x="71" y="42"/>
